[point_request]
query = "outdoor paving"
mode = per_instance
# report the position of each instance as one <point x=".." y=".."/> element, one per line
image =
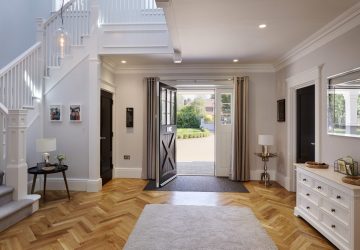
<point x="195" y="168"/>
<point x="195" y="156"/>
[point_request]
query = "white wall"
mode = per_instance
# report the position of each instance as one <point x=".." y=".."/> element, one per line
<point x="18" y="27"/>
<point x="339" y="55"/>
<point x="72" y="138"/>
<point x="131" y="92"/>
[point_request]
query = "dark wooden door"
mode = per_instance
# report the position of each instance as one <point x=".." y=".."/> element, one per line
<point x="106" y="134"/>
<point x="305" y="98"/>
<point x="167" y="140"/>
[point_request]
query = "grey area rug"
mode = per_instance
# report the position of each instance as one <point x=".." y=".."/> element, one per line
<point x="167" y="227"/>
<point x="199" y="184"/>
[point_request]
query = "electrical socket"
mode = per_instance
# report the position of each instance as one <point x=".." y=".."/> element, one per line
<point x="126" y="157"/>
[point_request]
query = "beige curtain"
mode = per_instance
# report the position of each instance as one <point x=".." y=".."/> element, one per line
<point x="240" y="170"/>
<point x="150" y="162"/>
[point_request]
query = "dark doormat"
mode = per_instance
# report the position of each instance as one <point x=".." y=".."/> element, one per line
<point x="200" y="184"/>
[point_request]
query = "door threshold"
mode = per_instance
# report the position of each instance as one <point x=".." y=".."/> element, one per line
<point x="196" y="175"/>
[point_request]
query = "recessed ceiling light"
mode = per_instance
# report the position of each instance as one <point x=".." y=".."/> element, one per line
<point x="235" y="60"/>
<point x="262" y="26"/>
<point x="123" y="61"/>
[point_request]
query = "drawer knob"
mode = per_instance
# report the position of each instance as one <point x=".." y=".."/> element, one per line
<point x="308" y="207"/>
<point x="338" y="197"/>
<point x="333" y="210"/>
<point x="319" y="187"/>
<point x="333" y="226"/>
<point x="307" y="194"/>
<point x="304" y="179"/>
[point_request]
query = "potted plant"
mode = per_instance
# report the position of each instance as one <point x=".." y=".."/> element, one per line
<point x="60" y="158"/>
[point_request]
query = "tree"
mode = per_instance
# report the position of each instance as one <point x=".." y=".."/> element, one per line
<point x="199" y="105"/>
<point x="337" y="110"/>
<point x="188" y="117"/>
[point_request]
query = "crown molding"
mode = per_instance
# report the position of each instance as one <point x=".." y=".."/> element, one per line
<point x="337" y="27"/>
<point x="197" y="68"/>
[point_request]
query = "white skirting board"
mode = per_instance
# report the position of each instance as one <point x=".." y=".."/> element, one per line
<point x="283" y="180"/>
<point x="127" y="173"/>
<point x="59" y="184"/>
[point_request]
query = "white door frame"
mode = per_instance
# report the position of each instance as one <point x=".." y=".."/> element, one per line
<point x="298" y="81"/>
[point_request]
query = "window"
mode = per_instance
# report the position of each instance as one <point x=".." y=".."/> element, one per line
<point x="225" y="116"/>
<point x="209" y="109"/>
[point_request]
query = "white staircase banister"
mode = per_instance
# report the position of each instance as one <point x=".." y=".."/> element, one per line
<point x="73" y="17"/>
<point x="21" y="79"/>
<point x="19" y="58"/>
<point x="3" y="109"/>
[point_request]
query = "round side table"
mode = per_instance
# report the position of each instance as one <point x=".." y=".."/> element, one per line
<point x="58" y="168"/>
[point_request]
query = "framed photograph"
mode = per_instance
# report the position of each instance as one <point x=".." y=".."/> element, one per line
<point x="281" y="110"/>
<point x="55" y="113"/>
<point x="75" y="113"/>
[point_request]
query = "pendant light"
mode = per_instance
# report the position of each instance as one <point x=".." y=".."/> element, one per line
<point x="62" y="38"/>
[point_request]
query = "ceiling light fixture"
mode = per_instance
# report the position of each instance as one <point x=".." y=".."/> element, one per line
<point x="123" y="61"/>
<point x="177" y="56"/>
<point x="235" y="60"/>
<point x="262" y="26"/>
<point x="62" y="38"/>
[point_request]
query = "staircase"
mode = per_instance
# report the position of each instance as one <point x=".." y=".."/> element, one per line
<point x="94" y="28"/>
<point x="12" y="211"/>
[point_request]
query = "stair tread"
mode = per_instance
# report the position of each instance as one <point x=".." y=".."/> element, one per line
<point x="13" y="206"/>
<point x="5" y="190"/>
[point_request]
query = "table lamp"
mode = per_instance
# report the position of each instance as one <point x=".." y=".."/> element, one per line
<point x="265" y="141"/>
<point x="46" y="145"/>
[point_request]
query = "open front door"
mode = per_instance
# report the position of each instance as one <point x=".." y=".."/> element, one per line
<point x="167" y="140"/>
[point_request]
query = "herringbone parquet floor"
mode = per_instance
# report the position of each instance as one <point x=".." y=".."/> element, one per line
<point x="105" y="219"/>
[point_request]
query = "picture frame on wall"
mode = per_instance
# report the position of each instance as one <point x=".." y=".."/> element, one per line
<point x="75" y="113"/>
<point x="55" y="113"/>
<point x="281" y="110"/>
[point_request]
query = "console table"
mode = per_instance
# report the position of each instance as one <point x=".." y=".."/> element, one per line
<point x="329" y="205"/>
<point x="58" y="168"/>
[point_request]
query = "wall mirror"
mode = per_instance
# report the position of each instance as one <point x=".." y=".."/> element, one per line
<point x="344" y="104"/>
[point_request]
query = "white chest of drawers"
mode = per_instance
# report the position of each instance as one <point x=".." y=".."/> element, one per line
<point x="329" y="205"/>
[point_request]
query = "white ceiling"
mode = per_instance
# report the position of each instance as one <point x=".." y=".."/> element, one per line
<point x="217" y="31"/>
<point x="213" y="31"/>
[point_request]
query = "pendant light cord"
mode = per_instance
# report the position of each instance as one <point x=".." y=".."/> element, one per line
<point x="61" y="14"/>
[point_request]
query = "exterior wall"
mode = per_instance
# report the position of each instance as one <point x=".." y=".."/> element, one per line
<point x="131" y="92"/>
<point x="341" y="54"/>
<point x="18" y="27"/>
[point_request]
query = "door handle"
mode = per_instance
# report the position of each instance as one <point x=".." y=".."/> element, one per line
<point x="312" y="143"/>
<point x="102" y="138"/>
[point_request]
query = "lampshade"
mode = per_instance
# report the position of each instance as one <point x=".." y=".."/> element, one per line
<point x="45" y="145"/>
<point x="266" y="140"/>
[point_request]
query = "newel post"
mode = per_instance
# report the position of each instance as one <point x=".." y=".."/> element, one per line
<point x="16" y="169"/>
<point x="40" y="37"/>
<point x="40" y="31"/>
